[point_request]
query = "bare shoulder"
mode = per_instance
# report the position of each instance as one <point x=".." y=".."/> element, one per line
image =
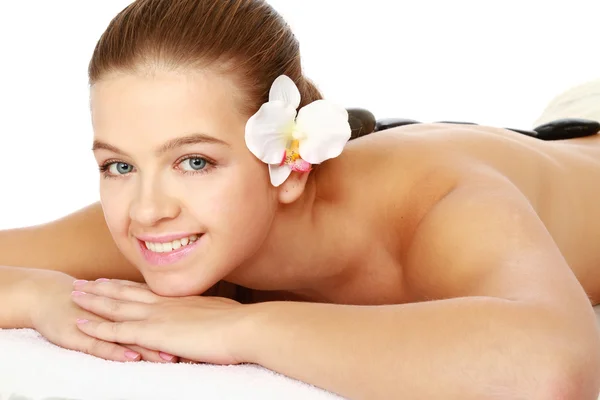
<point x="484" y="238"/>
<point x="474" y="211"/>
<point x="557" y="180"/>
<point x="466" y="202"/>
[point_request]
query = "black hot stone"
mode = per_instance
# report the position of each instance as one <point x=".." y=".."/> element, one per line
<point x="362" y="122"/>
<point x="456" y="122"/>
<point x="567" y="128"/>
<point x="387" y="123"/>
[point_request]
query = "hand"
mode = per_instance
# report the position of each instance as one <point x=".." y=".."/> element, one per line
<point x="202" y="329"/>
<point x="54" y="316"/>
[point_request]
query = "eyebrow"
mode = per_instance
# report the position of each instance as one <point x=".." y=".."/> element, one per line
<point x="168" y="146"/>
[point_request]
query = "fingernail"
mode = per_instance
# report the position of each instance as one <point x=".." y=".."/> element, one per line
<point x="82" y="321"/>
<point x="165" y="356"/>
<point x="79" y="282"/>
<point x="131" y="354"/>
<point x="77" y="293"/>
<point x="102" y="280"/>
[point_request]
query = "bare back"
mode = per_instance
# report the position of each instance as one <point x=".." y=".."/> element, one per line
<point x="561" y="179"/>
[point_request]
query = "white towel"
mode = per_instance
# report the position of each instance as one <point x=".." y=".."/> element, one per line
<point x="33" y="368"/>
<point x="581" y="101"/>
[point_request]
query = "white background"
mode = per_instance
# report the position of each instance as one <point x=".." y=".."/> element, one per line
<point x="491" y="62"/>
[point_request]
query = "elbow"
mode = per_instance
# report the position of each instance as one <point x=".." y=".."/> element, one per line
<point x="574" y="375"/>
<point x="563" y="361"/>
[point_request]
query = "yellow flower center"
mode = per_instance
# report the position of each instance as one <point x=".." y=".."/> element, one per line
<point x="291" y="152"/>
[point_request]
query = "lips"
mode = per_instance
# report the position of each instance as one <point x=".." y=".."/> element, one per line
<point x="169" y="252"/>
<point x="166" y="247"/>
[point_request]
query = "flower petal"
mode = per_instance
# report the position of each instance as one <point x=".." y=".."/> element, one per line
<point x="279" y="173"/>
<point x="326" y="129"/>
<point x="284" y="89"/>
<point x="266" y="131"/>
<point x="300" y="165"/>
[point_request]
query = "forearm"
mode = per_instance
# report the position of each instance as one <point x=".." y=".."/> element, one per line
<point x="78" y="244"/>
<point x="17" y="295"/>
<point x="472" y="348"/>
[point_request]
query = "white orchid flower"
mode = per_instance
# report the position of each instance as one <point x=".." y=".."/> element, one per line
<point x="287" y="141"/>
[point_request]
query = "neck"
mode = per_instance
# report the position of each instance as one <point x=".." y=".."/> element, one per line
<point x="304" y="253"/>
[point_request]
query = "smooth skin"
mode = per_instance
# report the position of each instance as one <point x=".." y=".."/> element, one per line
<point x="427" y="261"/>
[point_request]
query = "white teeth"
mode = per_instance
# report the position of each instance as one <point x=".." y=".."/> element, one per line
<point x="170" y="246"/>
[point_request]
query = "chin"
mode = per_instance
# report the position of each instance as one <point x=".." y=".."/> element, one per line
<point x="181" y="286"/>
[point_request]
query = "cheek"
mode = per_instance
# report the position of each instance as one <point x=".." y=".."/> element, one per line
<point x="114" y="205"/>
<point x="242" y="208"/>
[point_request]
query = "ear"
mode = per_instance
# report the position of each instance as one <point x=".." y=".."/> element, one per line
<point x="293" y="187"/>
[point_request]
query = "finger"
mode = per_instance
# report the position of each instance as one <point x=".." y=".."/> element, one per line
<point x="106" y="350"/>
<point x="111" y="309"/>
<point x="187" y="361"/>
<point x="116" y="290"/>
<point x="121" y="281"/>
<point x="129" y="332"/>
<point x="126" y="283"/>
<point x="153" y="355"/>
<point x="145" y="353"/>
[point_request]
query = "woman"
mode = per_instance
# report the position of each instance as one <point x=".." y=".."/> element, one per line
<point x="427" y="261"/>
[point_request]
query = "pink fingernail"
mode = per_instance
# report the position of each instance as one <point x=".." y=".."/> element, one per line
<point x="77" y="293"/>
<point x="102" y="280"/>
<point x="131" y="354"/>
<point x="166" y="356"/>
<point x="82" y="321"/>
<point x="79" y="282"/>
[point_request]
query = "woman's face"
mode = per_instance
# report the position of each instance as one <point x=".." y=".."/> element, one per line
<point x="184" y="199"/>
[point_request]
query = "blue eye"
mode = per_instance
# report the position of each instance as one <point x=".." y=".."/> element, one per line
<point x="194" y="164"/>
<point x="119" y="168"/>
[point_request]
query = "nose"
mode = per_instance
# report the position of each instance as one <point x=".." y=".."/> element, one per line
<point x="152" y="205"/>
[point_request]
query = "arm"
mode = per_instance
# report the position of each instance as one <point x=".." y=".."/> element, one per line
<point x="17" y="296"/>
<point x="79" y="245"/>
<point x="506" y="318"/>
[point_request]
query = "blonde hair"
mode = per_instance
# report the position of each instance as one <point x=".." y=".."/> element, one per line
<point x="582" y="101"/>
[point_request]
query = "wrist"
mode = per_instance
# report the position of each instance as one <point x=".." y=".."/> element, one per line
<point x="18" y="294"/>
<point x="251" y="332"/>
<point x="27" y="296"/>
<point x="35" y="291"/>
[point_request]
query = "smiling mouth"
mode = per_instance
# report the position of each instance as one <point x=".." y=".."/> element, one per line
<point x="168" y="247"/>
